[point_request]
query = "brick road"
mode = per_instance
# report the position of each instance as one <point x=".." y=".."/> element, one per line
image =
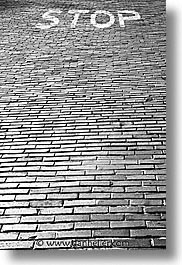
<point x="82" y="138"/>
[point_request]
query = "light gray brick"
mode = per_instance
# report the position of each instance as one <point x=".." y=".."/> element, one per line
<point x="91" y="209"/>
<point x="19" y="227"/>
<point x="127" y="224"/>
<point x="55" y="226"/>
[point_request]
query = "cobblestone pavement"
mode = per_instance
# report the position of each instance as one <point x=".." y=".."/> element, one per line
<point x="82" y="138"/>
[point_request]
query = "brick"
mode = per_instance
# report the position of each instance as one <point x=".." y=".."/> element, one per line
<point x="141" y="189"/>
<point x="156" y="224"/>
<point x="54" y="168"/>
<point x="25" y="168"/>
<point x="125" y="209"/>
<point x="8" y="236"/>
<point x="7" y="197"/>
<point x="14" y="191"/>
<point x="70" y="173"/>
<point x="37" y="235"/>
<point x="92" y="225"/>
<point x="112" y="202"/>
<point x="91" y="209"/>
<point x="155" y="196"/>
<point x="74" y="234"/>
<point x="16" y="245"/>
<point x="101" y="172"/>
<point x="154" y="183"/>
<point x="155" y="209"/>
<point x="127" y="224"/>
<point x="146" y="202"/>
<point x="75" y="189"/>
<point x="159" y="242"/>
<point x="94" y="183"/>
<point x="55" y="226"/>
<point x="141" y="177"/>
<point x="108" y="189"/>
<point x="19" y="227"/>
<point x="68" y="203"/>
<point x="22" y="179"/>
<point x="94" y="195"/>
<point x="72" y="218"/>
<point x="46" y="203"/>
<point x="49" y="191"/>
<point x="127" y="195"/>
<point x="140" y="216"/>
<point x="56" y="210"/>
<point x="161" y="189"/>
<point x="37" y="219"/>
<point x="111" y="233"/>
<point x="30" y="197"/>
<point x="127" y="183"/>
<point x="9" y="220"/>
<point x="107" y="217"/>
<point x="148" y="232"/>
<point x="20" y="211"/>
<point x="62" y="196"/>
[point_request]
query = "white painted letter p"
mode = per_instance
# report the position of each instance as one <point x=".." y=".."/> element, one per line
<point x="123" y="18"/>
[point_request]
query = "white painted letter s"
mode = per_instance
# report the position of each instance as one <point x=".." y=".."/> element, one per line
<point x="47" y="16"/>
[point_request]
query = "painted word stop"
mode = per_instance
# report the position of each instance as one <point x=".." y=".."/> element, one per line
<point x="123" y="15"/>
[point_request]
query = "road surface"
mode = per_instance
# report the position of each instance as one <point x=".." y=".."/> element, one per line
<point x="83" y="120"/>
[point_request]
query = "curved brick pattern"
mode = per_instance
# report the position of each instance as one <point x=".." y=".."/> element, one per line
<point x="83" y="120"/>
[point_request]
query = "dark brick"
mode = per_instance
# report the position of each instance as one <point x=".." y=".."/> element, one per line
<point x="127" y="224"/>
<point x="111" y="233"/>
<point x="148" y="232"/>
<point x="159" y="242"/>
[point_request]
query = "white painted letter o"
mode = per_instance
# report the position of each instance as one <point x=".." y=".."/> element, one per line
<point x="104" y="25"/>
